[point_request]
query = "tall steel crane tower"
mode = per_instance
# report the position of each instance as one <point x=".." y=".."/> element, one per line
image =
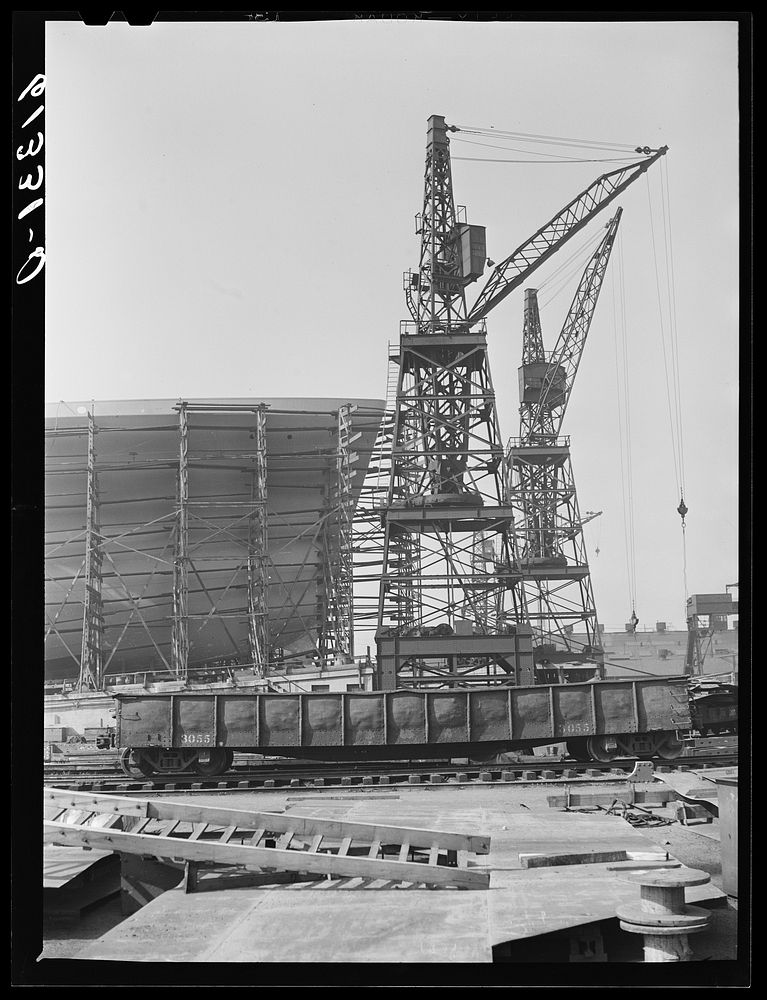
<point x="447" y="467"/>
<point x="447" y="615"/>
<point x="541" y="487"/>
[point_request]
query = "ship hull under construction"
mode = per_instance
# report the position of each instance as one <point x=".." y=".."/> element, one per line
<point x="152" y="508"/>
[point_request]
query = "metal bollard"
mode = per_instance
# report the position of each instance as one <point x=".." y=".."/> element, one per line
<point x="662" y="915"/>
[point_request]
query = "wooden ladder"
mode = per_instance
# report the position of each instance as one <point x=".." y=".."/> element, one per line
<point x="274" y="842"/>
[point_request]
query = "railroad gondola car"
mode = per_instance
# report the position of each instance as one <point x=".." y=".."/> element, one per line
<point x="714" y="710"/>
<point x="198" y="732"/>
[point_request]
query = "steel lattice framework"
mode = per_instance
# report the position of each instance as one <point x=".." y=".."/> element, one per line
<point x="336" y="596"/>
<point x="258" y="553"/>
<point x="165" y="553"/>
<point x="517" y="267"/>
<point x="541" y="485"/>
<point x="447" y="494"/>
<point x="92" y="647"/>
<point x="446" y="469"/>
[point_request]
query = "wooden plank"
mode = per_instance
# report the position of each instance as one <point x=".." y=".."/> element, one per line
<point x="404" y="851"/>
<point x="227" y="835"/>
<point x="257" y="835"/>
<point x="167" y="828"/>
<point x="103" y="803"/>
<point x="434" y="854"/>
<point x="105" y="821"/>
<point x="197" y="832"/>
<point x="276" y="822"/>
<point x="343" y="850"/>
<point x="573" y="858"/>
<point x="375" y="848"/>
<point x="321" y="864"/>
<point x="283" y="842"/>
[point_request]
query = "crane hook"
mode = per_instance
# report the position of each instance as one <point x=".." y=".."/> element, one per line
<point x="682" y="509"/>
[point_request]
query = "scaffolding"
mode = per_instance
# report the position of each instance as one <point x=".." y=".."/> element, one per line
<point x="335" y="612"/>
<point x="184" y="563"/>
<point x="258" y="555"/>
<point x="92" y="648"/>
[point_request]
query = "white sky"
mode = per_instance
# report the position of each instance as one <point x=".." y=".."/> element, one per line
<point x="230" y="210"/>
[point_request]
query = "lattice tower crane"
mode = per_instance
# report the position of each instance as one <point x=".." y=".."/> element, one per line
<point x="541" y="486"/>
<point x="446" y="485"/>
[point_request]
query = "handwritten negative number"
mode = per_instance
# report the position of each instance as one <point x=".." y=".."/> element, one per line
<point x="21" y="154"/>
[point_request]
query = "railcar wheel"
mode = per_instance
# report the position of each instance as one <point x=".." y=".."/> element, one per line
<point x="668" y="747"/>
<point x="600" y="749"/>
<point x="577" y="749"/>
<point x="128" y="763"/>
<point x="214" y="762"/>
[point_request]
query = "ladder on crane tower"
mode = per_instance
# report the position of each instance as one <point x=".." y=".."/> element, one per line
<point x="392" y="379"/>
<point x="267" y="842"/>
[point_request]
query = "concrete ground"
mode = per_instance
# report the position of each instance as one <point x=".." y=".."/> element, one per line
<point x="692" y="848"/>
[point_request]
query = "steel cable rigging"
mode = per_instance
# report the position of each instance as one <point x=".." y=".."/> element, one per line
<point x="560" y="278"/>
<point x="555" y="140"/>
<point x="623" y="399"/>
<point x="535" y="140"/>
<point x="667" y="326"/>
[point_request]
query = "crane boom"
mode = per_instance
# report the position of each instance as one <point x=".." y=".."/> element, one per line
<point x="562" y="365"/>
<point x="510" y="273"/>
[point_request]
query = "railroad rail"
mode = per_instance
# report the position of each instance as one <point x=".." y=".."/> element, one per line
<point x="382" y="774"/>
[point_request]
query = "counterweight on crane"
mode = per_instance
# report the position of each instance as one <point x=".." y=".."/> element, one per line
<point x="448" y="615"/>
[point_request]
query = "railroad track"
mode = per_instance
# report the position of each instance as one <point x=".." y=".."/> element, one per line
<point x="297" y="775"/>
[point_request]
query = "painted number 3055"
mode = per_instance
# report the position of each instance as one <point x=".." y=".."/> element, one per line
<point x="196" y="738"/>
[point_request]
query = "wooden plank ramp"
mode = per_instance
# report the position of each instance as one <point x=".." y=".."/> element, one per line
<point x="282" y="842"/>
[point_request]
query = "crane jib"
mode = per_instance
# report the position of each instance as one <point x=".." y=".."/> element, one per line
<point x="550" y="237"/>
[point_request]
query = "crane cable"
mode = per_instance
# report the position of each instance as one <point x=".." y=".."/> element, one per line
<point x="627" y="151"/>
<point x="623" y="401"/>
<point x="671" y="356"/>
<point x="560" y="278"/>
<point x="548" y="140"/>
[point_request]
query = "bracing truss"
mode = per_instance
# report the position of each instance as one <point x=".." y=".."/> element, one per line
<point x="185" y="564"/>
